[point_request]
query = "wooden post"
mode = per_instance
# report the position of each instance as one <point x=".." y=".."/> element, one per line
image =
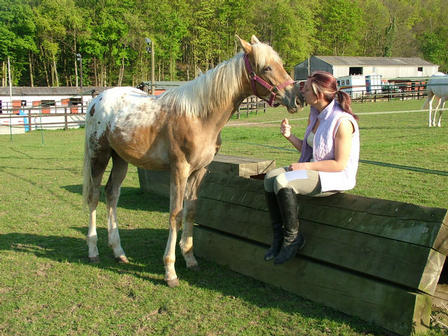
<point x="65" y="119"/>
<point x="29" y="119"/>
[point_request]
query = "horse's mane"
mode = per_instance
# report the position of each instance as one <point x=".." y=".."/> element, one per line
<point x="214" y="88"/>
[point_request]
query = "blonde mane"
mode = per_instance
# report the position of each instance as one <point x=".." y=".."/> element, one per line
<point x="216" y="87"/>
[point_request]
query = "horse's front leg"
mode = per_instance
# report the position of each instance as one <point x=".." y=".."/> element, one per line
<point x="177" y="190"/>
<point x="186" y="241"/>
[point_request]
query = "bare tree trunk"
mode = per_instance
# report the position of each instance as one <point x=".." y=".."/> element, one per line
<point x="121" y="73"/>
<point x="95" y="71"/>
<point x="30" y="60"/>
<point x="4" y="74"/>
<point x="55" y="69"/>
<point x="47" y="79"/>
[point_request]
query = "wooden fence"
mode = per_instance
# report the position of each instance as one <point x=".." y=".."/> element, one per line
<point x="251" y="104"/>
<point x="23" y="119"/>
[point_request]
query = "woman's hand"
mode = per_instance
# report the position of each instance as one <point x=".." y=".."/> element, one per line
<point x="285" y="128"/>
<point x="298" y="166"/>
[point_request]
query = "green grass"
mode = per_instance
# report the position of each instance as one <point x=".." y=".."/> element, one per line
<point x="48" y="288"/>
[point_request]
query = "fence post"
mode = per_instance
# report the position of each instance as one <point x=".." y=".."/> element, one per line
<point x="256" y="105"/>
<point x="65" y="119"/>
<point x="29" y="119"/>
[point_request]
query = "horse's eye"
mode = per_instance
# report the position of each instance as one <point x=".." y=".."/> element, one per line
<point x="267" y="68"/>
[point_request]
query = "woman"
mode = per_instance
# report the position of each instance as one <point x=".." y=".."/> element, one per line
<point x="328" y="162"/>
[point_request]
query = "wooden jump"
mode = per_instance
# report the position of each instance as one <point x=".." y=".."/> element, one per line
<point x="375" y="259"/>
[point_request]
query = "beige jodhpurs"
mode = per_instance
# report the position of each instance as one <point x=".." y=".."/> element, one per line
<point x="303" y="182"/>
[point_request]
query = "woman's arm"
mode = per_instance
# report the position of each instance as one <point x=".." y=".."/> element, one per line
<point x="285" y="129"/>
<point x="343" y="147"/>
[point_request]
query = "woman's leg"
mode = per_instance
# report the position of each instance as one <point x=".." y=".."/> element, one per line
<point x="286" y="186"/>
<point x="274" y="213"/>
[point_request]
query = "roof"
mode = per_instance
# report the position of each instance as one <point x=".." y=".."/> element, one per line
<point x="366" y="61"/>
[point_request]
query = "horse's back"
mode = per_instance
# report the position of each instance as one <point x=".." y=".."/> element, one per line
<point x="124" y="107"/>
<point x="438" y="84"/>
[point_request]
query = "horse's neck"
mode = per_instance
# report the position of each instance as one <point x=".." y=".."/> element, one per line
<point x="221" y="113"/>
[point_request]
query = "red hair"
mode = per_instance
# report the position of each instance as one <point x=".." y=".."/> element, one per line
<point x="325" y="83"/>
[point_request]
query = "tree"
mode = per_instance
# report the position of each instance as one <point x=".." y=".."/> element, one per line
<point x="17" y="38"/>
<point x="340" y="25"/>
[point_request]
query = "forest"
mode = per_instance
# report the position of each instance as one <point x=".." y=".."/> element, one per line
<point x="42" y="38"/>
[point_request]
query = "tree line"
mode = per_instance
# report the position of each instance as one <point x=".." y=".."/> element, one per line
<point x="41" y="38"/>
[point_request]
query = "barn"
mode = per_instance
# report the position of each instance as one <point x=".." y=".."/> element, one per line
<point x="386" y="67"/>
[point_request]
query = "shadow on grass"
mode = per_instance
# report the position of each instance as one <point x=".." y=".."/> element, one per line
<point x="131" y="198"/>
<point x="397" y="166"/>
<point x="145" y="247"/>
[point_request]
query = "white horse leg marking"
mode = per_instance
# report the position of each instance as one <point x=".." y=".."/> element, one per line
<point x="116" y="177"/>
<point x="435" y="111"/>
<point x="93" y="174"/>
<point x="186" y="241"/>
<point x="430" y="100"/>
<point x="439" y="123"/>
<point x="92" y="237"/>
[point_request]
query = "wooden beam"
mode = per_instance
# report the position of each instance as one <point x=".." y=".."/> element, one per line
<point x="391" y="307"/>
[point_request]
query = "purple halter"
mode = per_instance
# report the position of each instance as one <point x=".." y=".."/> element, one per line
<point x="271" y="88"/>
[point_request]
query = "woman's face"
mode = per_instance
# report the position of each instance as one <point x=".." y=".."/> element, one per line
<point x="308" y="93"/>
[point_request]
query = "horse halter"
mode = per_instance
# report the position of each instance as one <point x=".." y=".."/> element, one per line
<point x="273" y="89"/>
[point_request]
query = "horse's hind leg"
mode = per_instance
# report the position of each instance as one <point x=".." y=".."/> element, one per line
<point x="439" y="122"/>
<point x="430" y="101"/>
<point x="95" y="168"/>
<point x="116" y="177"/>
<point x="186" y="241"/>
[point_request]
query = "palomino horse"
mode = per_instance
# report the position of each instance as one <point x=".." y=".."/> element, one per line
<point x="437" y="88"/>
<point x="178" y="131"/>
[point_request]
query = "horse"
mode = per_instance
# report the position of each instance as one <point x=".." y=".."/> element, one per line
<point x="437" y="88"/>
<point x="178" y="131"/>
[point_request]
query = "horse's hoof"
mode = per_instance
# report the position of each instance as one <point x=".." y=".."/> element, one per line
<point x="172" y="283"/>
<point x="194" y="268"/>
<point x="122" y="259"/>
<point x="94" y="260"/>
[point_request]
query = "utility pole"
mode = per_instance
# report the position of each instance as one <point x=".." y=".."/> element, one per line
<point x="150" y="50"/>
<point x="79" y="58"/>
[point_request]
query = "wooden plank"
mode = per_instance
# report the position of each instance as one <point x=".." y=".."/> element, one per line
<point x="222" y="165"/>
<point x="405" y="264"/>
<point x="380" y="303"/>
<point x="421" y="225"/>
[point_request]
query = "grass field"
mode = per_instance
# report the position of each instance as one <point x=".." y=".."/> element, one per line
<point x="48" y="288"/>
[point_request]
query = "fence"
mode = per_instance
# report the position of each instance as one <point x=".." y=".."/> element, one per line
<point x="251" y="104"/>
<point x="396" y="91"/>
<point x="24" y="119"/>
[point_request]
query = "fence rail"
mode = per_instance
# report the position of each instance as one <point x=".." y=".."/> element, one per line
<point x="19" y="120"/>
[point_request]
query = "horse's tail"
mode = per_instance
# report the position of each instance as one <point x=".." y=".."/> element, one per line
<point x="87" y="170"/>
<point x="428" y="99"/>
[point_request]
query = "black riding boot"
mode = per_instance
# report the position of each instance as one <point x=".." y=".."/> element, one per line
<point x="293" y="240"/>
<point x="277" y="226"/>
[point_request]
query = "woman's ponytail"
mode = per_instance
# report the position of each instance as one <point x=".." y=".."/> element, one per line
<point x="345" y="101"/>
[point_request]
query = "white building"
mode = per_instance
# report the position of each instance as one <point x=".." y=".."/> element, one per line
<point x="386" y="67"/>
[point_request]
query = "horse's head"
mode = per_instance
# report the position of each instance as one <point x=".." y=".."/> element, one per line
<point x="268" y="78"/>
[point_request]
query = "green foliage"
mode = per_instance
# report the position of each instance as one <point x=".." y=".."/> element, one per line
<point x="42" y="37"/>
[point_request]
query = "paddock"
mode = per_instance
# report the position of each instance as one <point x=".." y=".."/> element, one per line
<point x="47" y="286"/>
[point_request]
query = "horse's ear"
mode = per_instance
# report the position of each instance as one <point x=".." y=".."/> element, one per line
<point x="254" y="39"/>
<point x="244" y="44"/>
